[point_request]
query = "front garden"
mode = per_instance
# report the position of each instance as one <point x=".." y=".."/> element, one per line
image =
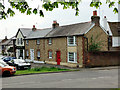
<point x="41" y="70"/>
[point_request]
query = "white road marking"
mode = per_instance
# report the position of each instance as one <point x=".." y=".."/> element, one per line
<point x="93" y="78"/>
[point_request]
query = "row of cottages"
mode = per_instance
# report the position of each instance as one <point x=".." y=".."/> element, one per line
<point x="60" y="45"/>
<point x="6" y="46"/>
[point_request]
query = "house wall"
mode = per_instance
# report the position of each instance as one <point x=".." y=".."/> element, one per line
<point x="33" y="45"/>
<point x="98" y="36"/>
<point x="58" y="44"/>
<point x="80" y="47"/>
<point x="19" y="50"/>
<point x="19" y="35"/>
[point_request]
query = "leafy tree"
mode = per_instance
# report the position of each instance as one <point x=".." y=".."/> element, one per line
<point x="23" y="6"/>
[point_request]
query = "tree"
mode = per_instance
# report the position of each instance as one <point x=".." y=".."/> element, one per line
<point x="23" y="6"/>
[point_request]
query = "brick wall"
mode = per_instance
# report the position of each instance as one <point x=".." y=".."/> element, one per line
<point x="58" y="44"/>
<point x="33" y="45"/>
<point x="103" y="58"/>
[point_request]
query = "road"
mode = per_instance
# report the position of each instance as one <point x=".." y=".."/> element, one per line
<point x="77" y="79"/>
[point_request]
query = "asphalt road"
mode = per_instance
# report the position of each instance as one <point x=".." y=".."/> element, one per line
<point x="77" y="79"/>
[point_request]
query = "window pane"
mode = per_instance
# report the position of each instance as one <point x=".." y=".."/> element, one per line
<point x="50" y="41"/>
<point x="71" y="40"/>
<point x="38" y="53"/>
<point x="21" y="41"/>
<point x="26" y="41"/>
<point x="27" y="53"/>
<point x="50" y="54"/>
<point x="71" y="56"/>
<point x="38" y="41"/>
<point x="18" y="41"/>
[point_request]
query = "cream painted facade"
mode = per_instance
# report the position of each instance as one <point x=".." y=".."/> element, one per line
<point x="20" y="51"/>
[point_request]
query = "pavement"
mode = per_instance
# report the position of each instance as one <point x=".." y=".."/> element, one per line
<point x="59" y="66"/>
<point x="103" y="68"/>
<point x="79" y="79"/>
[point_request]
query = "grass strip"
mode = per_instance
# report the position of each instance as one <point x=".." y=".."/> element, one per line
<point x="41" y="70"/>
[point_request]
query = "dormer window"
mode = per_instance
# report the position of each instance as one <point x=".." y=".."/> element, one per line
<point x="71" y="40"/>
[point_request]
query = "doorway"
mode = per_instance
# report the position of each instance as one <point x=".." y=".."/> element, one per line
<point x="58" y="57"/>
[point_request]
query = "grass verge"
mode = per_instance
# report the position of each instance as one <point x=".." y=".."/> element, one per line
<point x="41" y="70"/>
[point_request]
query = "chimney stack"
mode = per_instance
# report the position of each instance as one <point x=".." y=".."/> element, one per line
<point x="33" y="29"/>
<point x="95" y="19"/>
<point x="105" y="23"/>
<point x="55" y="24"/>
<point x="5" y="37"/>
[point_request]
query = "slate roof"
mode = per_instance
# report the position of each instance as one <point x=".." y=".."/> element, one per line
<point x="114" y="27"/>
<point x="8" y="42"/>
<point x="39" y="33"/>
<point x="67" y="30"/>
<point x="73" y="29"/>
<point x="25" y="31"/>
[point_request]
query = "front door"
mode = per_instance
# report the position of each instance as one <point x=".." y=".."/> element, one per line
<point x="21" y="54"/>
<point x="32" y="54"/>
<point x="58" y="57"/>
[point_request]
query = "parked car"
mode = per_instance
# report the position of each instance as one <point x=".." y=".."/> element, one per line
<point x="1" y="57"/>
<point x="1" y="61"/>
<point x="6" y="59"/>
<point x="6" y="70"/>
<point x="19" y="64"/>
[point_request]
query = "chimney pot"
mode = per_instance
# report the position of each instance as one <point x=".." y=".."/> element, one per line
<point x="33" y="29"/>
<point x="95" y="13"/>
<point x="33" y="26"/>
<point x="55" y="24"/>
<point x="5" y="37"/>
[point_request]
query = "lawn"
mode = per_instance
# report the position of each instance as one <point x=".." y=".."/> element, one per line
<point x="41" y="70"/>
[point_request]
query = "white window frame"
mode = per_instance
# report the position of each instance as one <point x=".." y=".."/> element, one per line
<point x="49" y="41"/>
<point x="38" y="54"/>
<point x="50" y="55"/>
<point x="38" y="41"/>
<point x="74" y="41"/>
<point x="115" y="41"/>
<point x="75" y="57"/>
<point x="26" y="42"/>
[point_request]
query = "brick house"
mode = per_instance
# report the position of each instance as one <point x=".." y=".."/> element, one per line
<point x="115" y="38"/>
<point x="113" y="29"/>
<point x="6" y="46"/>
<point x="65" y="45"/>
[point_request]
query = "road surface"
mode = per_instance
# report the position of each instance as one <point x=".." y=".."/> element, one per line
<point x="76" y="79"/>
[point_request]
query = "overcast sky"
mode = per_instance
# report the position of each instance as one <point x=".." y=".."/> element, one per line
<point x="10" y="26"/>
